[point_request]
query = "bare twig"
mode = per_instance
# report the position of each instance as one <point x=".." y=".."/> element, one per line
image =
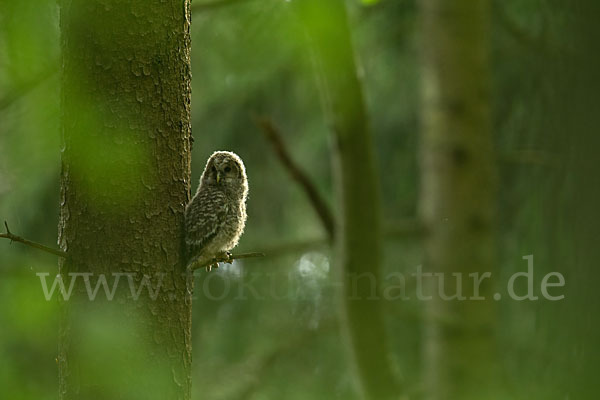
<point x="224" y="258"/>
<point x="14" y="238"/>
<point x="274" y="137"/>
<point x="212" y="5"/>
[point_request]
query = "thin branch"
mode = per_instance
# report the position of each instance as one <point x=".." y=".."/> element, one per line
<point x="14" y="238"/>
<point x="212" y="5"/>
<point x="274" y="137"/>
<point x="225" y="259"/>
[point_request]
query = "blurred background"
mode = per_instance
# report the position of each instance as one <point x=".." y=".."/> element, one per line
<point x="250" y="58"/>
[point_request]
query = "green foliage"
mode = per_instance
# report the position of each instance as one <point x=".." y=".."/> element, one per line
<point x="252" y="58"/>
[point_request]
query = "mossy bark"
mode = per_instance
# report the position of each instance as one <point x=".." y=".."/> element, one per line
<point x="124" y="183"/>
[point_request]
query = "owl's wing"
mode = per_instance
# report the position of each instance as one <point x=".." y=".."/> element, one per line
<point x="204" y="219"/>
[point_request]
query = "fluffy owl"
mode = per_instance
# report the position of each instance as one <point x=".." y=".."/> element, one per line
<point x="215" y="218"/>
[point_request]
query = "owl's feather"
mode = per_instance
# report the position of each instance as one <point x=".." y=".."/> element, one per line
<point x="215" y="218"/>
<point x="205" y="218"/>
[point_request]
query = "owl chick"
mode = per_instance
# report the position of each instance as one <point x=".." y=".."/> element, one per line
<point x="215" y="218"/>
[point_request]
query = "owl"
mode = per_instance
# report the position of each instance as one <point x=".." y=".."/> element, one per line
<point x="215" y="218"/>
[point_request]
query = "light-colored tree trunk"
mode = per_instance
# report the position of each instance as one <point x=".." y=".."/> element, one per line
<point x="358" y="230"/>
<point x="457" y="197"/>
<point x="124" y="182"/>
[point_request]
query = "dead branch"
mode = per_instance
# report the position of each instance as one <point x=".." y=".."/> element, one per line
<point x="14" y="238"/>
<point x="274" y="137"/>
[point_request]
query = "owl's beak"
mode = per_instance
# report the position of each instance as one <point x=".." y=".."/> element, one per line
<point x="218" y="177"/>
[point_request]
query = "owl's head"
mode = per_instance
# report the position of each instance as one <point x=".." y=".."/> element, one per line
<point x="226" y="169"/>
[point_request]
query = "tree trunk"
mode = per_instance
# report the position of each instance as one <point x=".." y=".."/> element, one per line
<point x="124" y="183"/>
<point x="457" y="198"/>
<point x="358" y="232"/>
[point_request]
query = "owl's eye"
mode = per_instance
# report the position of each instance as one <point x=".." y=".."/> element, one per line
<point x="228" y="169"/>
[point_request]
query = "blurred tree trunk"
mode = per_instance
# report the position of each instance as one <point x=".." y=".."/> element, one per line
<point x="571" y="200"/>
<point x="457" y="197"/>
<point x="358" y="231"/>
<point x="124" y="182"/>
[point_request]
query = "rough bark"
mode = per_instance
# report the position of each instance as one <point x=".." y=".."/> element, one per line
<point x="358" y="239"/>
<point x="457" y="197"/>
<point x="124" y="182"/>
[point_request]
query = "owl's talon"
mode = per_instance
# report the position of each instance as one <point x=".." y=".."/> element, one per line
<point x="211" y="266"/>
<point x="225" y="257"/>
